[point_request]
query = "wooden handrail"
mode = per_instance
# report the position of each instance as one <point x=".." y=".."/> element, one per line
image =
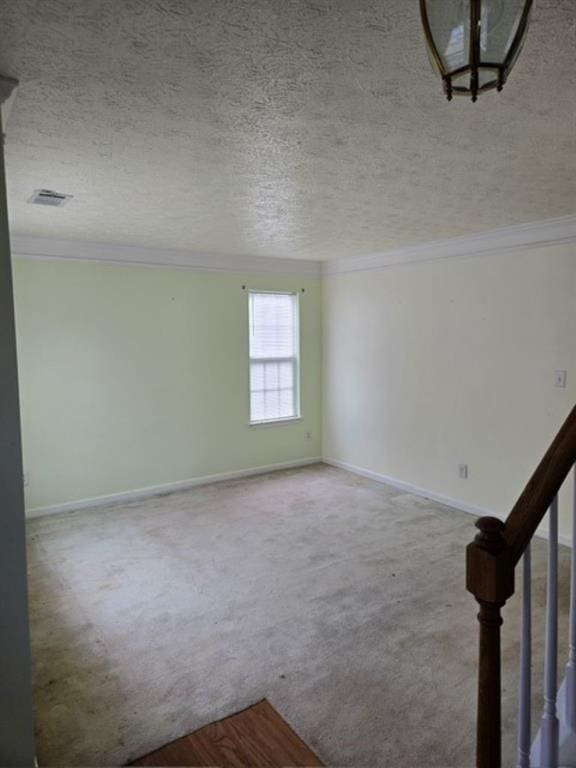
<point x="543" y="486"/>
<point x="490" y="564"/>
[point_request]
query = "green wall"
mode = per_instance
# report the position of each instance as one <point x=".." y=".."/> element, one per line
<point x="133" y="377"/>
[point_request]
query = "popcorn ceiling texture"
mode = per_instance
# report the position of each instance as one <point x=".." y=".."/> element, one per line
<point x="289" y="128"/>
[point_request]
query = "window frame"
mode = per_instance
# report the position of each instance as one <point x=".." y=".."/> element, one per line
<point x="296" y="359"/>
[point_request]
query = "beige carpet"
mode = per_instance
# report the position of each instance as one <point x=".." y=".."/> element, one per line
<point x="340" y="600"/>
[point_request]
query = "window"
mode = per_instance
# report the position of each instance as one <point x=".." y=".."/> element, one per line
<point x="274" y="351"/>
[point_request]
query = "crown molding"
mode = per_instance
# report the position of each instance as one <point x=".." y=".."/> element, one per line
<point x="30" y="247"/>
<point x="8" y="88"/>
<point x="519" y="237"/>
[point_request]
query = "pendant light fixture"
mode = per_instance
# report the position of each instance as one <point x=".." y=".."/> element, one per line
<point x="473" y="44"/>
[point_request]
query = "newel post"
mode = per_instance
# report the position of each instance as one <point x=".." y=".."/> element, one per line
<point x="490" y="578"/>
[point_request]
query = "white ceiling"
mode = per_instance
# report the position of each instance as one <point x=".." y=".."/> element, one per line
<point x="308" y="129"/>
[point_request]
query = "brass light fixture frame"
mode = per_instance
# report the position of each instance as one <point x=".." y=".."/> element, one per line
<point x="476" y="65"/>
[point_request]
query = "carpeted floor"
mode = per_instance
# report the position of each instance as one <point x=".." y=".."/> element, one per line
<point x="340" y="600"/>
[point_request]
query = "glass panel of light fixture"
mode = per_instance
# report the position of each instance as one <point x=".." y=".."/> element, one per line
<point x="500" y="20"/>
<point x="487" y="76"/>
<point x="461" y="81"/>
<point x="450" y="26"/>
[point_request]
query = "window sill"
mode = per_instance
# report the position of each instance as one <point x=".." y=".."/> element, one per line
<point x="275" y="422"/>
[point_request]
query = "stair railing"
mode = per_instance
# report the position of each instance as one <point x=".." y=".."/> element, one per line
<point x="491" y="560"/>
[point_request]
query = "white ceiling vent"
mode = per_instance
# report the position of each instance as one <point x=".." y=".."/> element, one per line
<point x="48" y="197"/>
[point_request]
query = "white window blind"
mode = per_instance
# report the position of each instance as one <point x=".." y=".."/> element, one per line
<point x="274" y="348"/>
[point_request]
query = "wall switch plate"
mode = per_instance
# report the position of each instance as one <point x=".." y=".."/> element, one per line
<point x="560" y="379"/>
<point x="25" y="479"/>
<point x="463" y="471"/>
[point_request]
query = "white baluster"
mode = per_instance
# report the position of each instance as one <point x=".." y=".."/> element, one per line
<point x="550" y="729"/>
<point x="524" y="715"/>
<point x="571" y="666"/>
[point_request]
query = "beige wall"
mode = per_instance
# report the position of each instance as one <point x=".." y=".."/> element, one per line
<point x="430" y="365"/>
<point x="134" y="377"/>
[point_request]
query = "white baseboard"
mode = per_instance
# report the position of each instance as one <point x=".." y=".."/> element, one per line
<point x="183" y="485"/>
<point x="402" y="485"/>
<point x="160" y="490"/>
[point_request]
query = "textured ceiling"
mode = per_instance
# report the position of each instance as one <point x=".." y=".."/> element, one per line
<point x="291" y="128"/>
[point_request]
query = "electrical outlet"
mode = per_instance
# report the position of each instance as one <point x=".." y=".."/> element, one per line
<point x="308" y="435"/>
<point x="25" y="479"/>
<point x="463" y="471"/>
<point x="560" y="378"/>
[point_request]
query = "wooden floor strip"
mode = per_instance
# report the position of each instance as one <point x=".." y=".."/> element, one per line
<point x="258" y="737"/>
